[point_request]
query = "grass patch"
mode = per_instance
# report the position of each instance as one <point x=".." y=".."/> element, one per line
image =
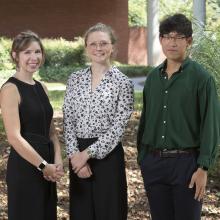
<point x="56" y="99"/>
<point x="1" y="125"/>
<point x="138" y="99"/>
<point x="55" y="86"/>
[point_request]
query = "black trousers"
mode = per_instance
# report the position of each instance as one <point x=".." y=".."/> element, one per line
<point x="166" y="182"/>
<point x="104" y="195"/>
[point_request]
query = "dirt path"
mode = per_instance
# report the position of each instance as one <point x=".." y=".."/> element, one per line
<point x="138" y="207"/>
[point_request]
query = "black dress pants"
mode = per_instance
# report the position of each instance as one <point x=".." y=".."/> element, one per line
<point x="103" y="196"/>
<point x="166" y="182"/>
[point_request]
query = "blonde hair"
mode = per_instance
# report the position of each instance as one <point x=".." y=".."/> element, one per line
<point x="103" y="28"/>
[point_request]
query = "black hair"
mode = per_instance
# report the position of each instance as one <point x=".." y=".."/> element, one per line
<point x="176" y="23"/>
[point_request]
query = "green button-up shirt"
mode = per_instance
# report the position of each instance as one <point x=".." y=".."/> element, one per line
<point x="181" y="112"/>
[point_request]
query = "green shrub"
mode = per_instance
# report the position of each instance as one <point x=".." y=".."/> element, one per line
<point x="61" y="73"/>
<point x="5" y="59"/>
<point x="4" y="75"/>
<point x="206" y="51"/>
<point x="60" y="52"/>
<point x="134" y="70"/>
<point x="57" y="74"/>
<point x="137" y="13"/>
<point x="62" y="58"/>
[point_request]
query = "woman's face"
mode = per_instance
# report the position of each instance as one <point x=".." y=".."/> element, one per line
<point x="99" y="47"/>
<point x="30" y="59"/>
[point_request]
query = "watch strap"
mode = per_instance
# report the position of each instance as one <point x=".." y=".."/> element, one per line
<point x="42" y="165"/>
<point x="203" y="167"/>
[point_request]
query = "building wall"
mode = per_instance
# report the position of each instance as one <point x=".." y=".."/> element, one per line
<point x="66" y="18"/>
<point x="137" y="46"/>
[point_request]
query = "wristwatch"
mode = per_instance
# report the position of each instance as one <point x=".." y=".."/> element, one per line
<point x="42" y="165"/>
<point x="89" y="152"/>
<point x="203" y="167"/>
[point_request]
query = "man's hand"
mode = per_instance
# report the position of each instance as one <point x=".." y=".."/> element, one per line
<point x="78" y="160"/>
<point x="85" y="172"/>
<point x="199" y="179"/>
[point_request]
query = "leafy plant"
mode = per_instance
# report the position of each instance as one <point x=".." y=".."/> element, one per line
<point x="206" y="50"/>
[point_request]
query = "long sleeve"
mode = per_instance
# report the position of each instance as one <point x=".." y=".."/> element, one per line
<point x="141" y="129"/>
<point x="68" y="125"/>
<point x="109" y="140"/>
<point x="210" y="123"/>
<point x="141" y="149"/>
<point x="141" y="123"/>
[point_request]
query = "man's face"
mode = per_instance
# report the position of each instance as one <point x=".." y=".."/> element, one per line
<point x="174" y="45"/>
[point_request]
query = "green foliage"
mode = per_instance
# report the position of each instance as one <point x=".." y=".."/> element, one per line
<point x="57" y="74"/>
<point x="206" y="50"/>
<point x="62" y="58"/>
<point x="214" y="171"/>
<point x="138" y="101"/>
<point x="4" y="75"/>
<point x="213" y="14"/>
<point x="1" y="126"/>
<point x="5" y="59"/>
<point x="137" y="10"/>
<point x="56" y="98"/>
<point x="174" y="6"/>
<point x="137" y="13"/>
<point x="134" y="71"/>
<point x="60" y="52"/>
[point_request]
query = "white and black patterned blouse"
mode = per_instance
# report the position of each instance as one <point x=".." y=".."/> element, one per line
<point x="102" y="113"/>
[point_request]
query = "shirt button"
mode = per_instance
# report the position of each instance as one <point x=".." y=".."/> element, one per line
<point x="164" y="122"/>
<point x="165" y="77"/>
<point x="163" y="137"/>
<point x="164" y="106"/>
<point x="166" y="91"/>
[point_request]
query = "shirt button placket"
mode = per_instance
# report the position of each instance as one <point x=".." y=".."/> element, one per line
<point x="165" y="109"/>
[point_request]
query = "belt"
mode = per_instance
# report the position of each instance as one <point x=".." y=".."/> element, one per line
<point x="172" y="153"/>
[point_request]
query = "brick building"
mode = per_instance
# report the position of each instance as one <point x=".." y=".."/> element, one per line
<point x="65" y="18"/>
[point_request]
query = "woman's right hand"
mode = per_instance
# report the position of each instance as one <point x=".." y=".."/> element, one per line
<point x="52" y="172"/>
<point x="85" y="172"/>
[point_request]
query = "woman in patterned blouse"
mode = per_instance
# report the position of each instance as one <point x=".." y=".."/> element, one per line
<point x="97" y="106"/>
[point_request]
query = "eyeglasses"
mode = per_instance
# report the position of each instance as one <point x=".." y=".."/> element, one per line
<point x="174" y="38"/>
<point x="102" y="45"/>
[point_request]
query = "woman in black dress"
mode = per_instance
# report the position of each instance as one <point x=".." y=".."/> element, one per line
<point x="34" y="163"/>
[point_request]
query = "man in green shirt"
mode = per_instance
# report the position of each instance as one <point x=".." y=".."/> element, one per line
<point x="179" y="127"/>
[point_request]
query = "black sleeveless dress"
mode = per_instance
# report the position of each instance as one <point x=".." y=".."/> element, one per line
<point x="30" y="196"/>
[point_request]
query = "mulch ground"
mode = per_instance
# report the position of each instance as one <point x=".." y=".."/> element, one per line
<point x="138" y="206"/>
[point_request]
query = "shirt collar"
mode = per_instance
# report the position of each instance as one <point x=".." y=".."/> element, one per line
<point x="108" y="73"/>
<point x="162" y="66"/>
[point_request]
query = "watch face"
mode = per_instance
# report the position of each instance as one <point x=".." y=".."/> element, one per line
<point x="41" y="166"/>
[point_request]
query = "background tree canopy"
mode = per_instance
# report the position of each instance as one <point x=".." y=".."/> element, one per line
<point x="138" y="17"/>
